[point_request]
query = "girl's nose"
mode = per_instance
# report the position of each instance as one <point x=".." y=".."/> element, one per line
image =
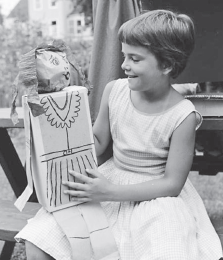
<point x="125" y="65"/>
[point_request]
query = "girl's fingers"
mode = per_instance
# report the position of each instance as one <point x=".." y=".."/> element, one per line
<point x="75" y="185"/>
<point x="77" y="195"/>
<point x="81" y="199"/>
<point x="94" y="173"/>
<point x="80" y="177"/>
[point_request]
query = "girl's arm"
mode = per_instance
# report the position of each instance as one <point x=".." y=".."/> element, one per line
<point x="170" y="185"/>
<point x="101" y="128"/>
<point x="178" y="165"/>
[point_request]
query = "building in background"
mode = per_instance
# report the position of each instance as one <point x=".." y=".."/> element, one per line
<point x="18" y="14"/>
<point x="55" y="18"/>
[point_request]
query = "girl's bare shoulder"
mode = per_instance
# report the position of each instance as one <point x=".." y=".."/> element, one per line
<point x="175" y="97"/>
<point x="110" y="85"/>
<point x="107" y="90"/>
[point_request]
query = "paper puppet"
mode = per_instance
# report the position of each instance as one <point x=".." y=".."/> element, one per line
<point x="59" y="138"/>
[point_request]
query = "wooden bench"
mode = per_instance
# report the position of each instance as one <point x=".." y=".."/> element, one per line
<point x="218" y="225"/>
<point x="11" y="222"/>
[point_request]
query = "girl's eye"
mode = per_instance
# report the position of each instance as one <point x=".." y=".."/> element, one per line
<point x="130" y="58"/>
<point x="134" y="59"/>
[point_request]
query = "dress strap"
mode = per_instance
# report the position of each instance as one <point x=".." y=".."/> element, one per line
<point x="118" y="87"/>
<point x="186" y="109"/>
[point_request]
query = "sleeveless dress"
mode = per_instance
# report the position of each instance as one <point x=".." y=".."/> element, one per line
<point x="167" y="228"/>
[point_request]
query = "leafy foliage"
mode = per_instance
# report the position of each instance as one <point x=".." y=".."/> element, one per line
<point x="84" y="6"/>
<point x="14" y="42"/>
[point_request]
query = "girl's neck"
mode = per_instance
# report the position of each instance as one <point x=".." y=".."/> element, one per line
<point x="155" y="102"/>
<point x="157" y="95"/>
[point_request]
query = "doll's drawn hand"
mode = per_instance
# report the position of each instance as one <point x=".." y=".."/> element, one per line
<point x="94" y="187"/>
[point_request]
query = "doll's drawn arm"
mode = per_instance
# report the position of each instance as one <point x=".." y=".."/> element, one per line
<point x="101" y="129"/>
<point x="170" y="185"/>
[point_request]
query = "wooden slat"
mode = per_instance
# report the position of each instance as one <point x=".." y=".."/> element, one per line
<point x="12" y="220"/>
<point x="207" y="165"/>
<point x="5" y="120"/>
<point x="218" y="225"/>
<point x="212" y="123"/>
<point x="7" y="250"/>
<point x="209" y="122"/>
<point x="11" y="163"/>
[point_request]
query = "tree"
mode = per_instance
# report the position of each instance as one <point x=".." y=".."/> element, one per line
<point x="20" y="39"/>
<point x="84" y="6"/>
<point x="1" y="16"/>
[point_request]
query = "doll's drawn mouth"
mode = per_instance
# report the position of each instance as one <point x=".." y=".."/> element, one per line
<point x="67" y="75"/>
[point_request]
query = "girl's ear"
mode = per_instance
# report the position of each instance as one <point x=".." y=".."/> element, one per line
<point x="166" y="68"/>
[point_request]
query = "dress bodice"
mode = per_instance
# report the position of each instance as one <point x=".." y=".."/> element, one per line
<point x="141" y="141"/>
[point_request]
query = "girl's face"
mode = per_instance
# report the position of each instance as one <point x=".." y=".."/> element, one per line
<point x="142" y="68"/>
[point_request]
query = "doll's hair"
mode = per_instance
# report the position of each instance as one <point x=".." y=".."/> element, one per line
<point x="169" y="36"/>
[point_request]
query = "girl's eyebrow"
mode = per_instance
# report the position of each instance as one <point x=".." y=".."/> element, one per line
<point x="132" y="54"/>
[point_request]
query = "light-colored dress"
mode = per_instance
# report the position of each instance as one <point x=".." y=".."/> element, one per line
<point x="168" y="228"/>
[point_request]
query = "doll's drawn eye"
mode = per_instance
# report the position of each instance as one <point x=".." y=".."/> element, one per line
<point x="54" y="60"/>
<point x="67" y="73"/>
<point x="65" y="59"/>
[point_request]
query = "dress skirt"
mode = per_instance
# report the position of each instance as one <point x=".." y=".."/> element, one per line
<point x="169" y="228"/>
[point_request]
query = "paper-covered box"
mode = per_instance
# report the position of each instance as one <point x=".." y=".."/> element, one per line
<point x="58" y="140"/>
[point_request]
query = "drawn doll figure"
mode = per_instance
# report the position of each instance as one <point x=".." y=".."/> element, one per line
<point x="75" y="156"/>
<point x="59" y="138"/>
<point x="63" y="140"/>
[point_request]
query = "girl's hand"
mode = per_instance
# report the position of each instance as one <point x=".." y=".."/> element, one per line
<point x="94" y="187"/>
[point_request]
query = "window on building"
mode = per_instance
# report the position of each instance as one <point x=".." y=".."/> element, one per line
<point x="53" y="3"/>
<point x="38" y="4"/>
<point x="71" y="26"/>
<point x="78" y="22"/>
<point x="53" y="28"/>
<point x="79" y="31"/>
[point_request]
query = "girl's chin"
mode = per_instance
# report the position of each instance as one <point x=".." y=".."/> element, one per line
<point x="133" y="83"/>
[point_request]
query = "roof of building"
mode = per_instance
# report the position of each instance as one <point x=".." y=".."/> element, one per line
<point x="20" y="11"/>
<point x="75" y="11"/>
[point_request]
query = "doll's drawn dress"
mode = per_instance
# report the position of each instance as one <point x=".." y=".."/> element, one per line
<point x="169" y="228"/>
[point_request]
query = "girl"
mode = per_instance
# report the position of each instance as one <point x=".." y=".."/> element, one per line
<point x="152" y="207"/>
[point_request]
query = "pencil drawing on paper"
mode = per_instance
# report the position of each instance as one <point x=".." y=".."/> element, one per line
<point x="64" y="115"/>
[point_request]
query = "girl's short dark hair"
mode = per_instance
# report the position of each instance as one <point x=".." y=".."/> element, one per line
<point x="168" y="35"/>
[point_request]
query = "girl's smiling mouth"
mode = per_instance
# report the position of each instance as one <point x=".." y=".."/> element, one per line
<point x="131" y="76"/>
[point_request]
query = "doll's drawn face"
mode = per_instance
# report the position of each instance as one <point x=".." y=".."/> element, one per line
<point x="59" y="59"/>
<point x="53" y="71"/>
